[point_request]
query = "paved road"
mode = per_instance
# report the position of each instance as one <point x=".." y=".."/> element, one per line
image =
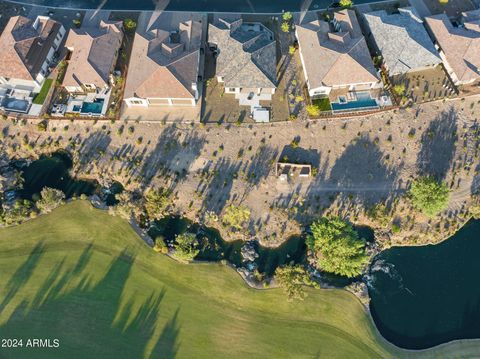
<point x="245" y="6"/>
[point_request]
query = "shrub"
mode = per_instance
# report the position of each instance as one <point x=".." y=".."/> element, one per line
<point x="50" y="198"/>
<point x="346" y="3"/>
<point x="429" y="196"/>
<point x="313" y="110"/>
<point x="129" y="25"/>
<point x="287" y="16"/>
<point x="42" y="126"/>
<point x="160" y="245"/>
<point x="399" y="89"/>
<point x="156" y="203"/>
<point x="236" y="216"/>
<point x="186" y="246"/>
<point x="285" y="27"/>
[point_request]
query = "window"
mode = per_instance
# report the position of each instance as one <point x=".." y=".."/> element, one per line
<point x="231" y="89"/>
<point x="136" y="102"/>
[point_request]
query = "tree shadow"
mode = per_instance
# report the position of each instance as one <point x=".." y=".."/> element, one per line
<point x="173" y="155"/>
<point x="21" y="275"/>
<point x="360" y="175"/>
<point x="260" y="166"/>
<point x="217" y="188"/>
<point x="90" y="317"/>
<point x="438" y="145"/>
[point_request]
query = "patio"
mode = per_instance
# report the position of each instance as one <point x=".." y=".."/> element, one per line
<point x="90" y="104"/>
<point x="18" y="101"/>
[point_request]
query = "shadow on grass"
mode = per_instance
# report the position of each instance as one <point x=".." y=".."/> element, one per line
<point x="101" y="320"/>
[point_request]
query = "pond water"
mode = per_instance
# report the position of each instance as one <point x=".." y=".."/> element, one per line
<point x="52" y="171"/>
<point x="428" y="295"/>
<point x="214" y="248"/>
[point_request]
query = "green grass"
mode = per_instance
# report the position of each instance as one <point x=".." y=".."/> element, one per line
<point x="323" y="104"/>
<point x="39" y="98"/>
<point x="86" y="278"/>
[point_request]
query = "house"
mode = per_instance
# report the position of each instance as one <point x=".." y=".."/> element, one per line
<point x="166" y="65"/>
<point x="245" y="59"/>
<point x="402" y="40"/>
<point x="28" y="48"/>
<point x="336" y="61"/>
<point x="92" y="58"/>
<point x="459" y="45"/>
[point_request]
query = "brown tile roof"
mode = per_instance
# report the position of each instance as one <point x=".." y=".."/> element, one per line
<point x="461" y="46"/>
<point x="165" y="56"/>
<point x="94" y="54"/>
<point x="335" y="56"/>
<point x="25" y="48"/>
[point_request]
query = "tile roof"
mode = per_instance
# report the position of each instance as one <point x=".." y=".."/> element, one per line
<point x="94" y="53"/>
<point x="24" y="47"/>
<point x="165" y="56"/>
<point x="247" y="56"/>
<point x="402" y="40"/>
<point x="335" y="56"/>
<point x="461" y="45"/>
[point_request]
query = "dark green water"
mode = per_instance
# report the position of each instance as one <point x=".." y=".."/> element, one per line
<point x="214" y="248"/>
<point x="52" y="171"/>
<point x="425" y="296"/>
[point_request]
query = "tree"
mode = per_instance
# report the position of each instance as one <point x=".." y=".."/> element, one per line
<point x="399" y="89"/>
<point x="236" y="216"/>
<point x="50" y="198"/>
<point x="346" y="3"/>
<point x="293" y="278"/>
<point x="313" y="110"/>
<point x="129" y="25"/>
<point x="337" y="246"/>
<point x="287" y="16"/>
<point x="285" y="26"/>
<point x="156" y="203"/>
<point x="186" y="246"/>
<point x="429" y="196"/>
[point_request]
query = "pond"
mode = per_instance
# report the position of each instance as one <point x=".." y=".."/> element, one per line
<point x="214" y="248"/>
<point x="428" y="295"/>
<point x="51" y="171"/>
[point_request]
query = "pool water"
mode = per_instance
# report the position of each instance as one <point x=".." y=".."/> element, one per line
<point x="363" y="101"/>
<point x="14" y="104"/>
<point x="93" y="107"/>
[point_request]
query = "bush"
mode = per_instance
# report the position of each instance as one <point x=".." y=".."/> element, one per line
<point x="346" y="3"/>
<point x="313" y="110"/>
<point x="236" y="216"/>
<point x="186" y="246"/>
<point x="156" y="203"/>
<point x="338" y="247"/>
<point x="129" y="25"/>
<point x="287" y="16"/>
<point x="160" y="245"/>
<point x="292" y="278"/>
<point x="42" y="126"/>
<point x="285" y="27"/>
<point x="399" y="89"/>
<point x="50" y="198"/>
<point x="429" y="196"/>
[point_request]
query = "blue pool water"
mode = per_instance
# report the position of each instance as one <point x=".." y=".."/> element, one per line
<point x="13" y="104"/>
<point x="92" y="107"/>
<point x="364" y="101"/>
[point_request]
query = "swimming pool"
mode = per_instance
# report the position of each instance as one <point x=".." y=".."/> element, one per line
<point x="94" y="107"/>
<point x="16" y="105"/>
<point x="363" y="101"/>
